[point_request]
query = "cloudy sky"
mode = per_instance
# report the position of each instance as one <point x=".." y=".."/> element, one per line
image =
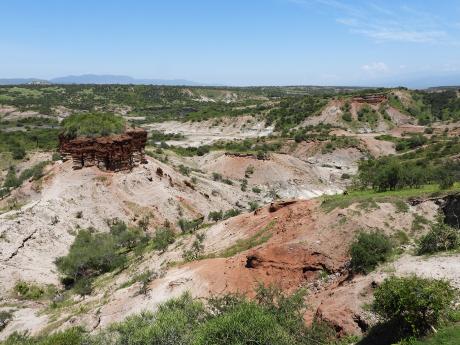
<point x="236" y="42"/>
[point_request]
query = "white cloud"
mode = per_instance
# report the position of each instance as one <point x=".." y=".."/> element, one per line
<point x="400" y="35"/>
<point x="375" y="68"/>
<point x="390" y="24"/>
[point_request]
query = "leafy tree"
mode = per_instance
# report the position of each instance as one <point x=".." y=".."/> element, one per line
<point x="163" y="238"/>
<point x="441" y="237"/>
<point x="413" y="303"/>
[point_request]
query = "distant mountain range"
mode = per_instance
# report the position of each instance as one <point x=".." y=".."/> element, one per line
<point x="411" y="80"/>
<point x="98" y="79"/>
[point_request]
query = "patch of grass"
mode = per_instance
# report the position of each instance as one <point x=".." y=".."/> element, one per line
<point x="144" y="278"/>
<point x="329" y="203"/>
<point x="242" y="245"/>
<point x="446" y="336"/>
<point x="418" y="222"/>
<point x="401" y="206"/>
<point x="92" y="125"/>
<point x="33" y="291"/>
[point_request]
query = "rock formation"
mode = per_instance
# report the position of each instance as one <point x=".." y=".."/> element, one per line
<point x="115" y="152"/>
<point x="371" y="99"/>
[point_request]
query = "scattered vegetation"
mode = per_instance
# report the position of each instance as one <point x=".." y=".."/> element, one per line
<point x="162" y="238"/>
<point x="272" y="318"/>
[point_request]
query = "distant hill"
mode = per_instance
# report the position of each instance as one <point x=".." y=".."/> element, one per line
<point x="19" y="81"/>
<point x="118" y="79"/>
<point x="98" y="79"/>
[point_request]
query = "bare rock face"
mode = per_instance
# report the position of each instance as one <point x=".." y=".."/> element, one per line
<point x="115" y="152"/>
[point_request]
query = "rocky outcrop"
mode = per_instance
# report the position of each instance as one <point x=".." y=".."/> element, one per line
<point x="115" y="152"/>
<point x="371" y="99"/>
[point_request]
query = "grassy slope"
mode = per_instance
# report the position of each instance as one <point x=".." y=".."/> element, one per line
<point x="446" y="336"/>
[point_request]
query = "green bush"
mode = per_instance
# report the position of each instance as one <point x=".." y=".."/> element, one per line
<point x="347" y="117"/>
<point x="441" y="237"/>
<point x="11" y="180"/>
<point x="71" y="336"/>
<point x="89" y="255"/>
<point x="253" y="205"/>
<point x="368" y="251"/>
<point x="92" y="125"/>
<point x="256" y="190"/>
<point x="246" y="323"/>
<point x="413" y="303"/>
<point x="163" y="238"/>
<point x="5" y="318"/>
<point x="215" y="216"/>
<point x="231" y="213"/>
<point x="272" y="318"/>
<point x="188" y="226"/>
<point x="196" y="249"/>
<point x="27" y="290"/>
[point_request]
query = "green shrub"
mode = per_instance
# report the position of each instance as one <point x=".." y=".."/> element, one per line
<point x="368" y="251"/>
<point x="71" y="336"/>
<point x="244" y="185"/>
<point x="184" y="170"/>
<point x="347" y="117"/>
<point x="246" y="323"/>
<point x="89" y="255"/>
<point x="441" y="237"/>
<point x="173" y="323"/>
<point x="216" y="176"/>
<point x="27" y="290"/>
<point x="11" y="180"/>
<point x="56" y="157"/>
<point x="18" y="152"/>
<point x="414" y="303"/>
<point x="401" y="206"/>
<point x="231" y="213"/>
<point x="196" y="249"/>
<point x="163" y="238"/>
<point x="256" y="190"/>
<point x="253" y="205"/>
<point x="92" y="125"/>
<point x="188" y="226"/>
<point x="215" y="216"/>
<point x="5" y="318"/>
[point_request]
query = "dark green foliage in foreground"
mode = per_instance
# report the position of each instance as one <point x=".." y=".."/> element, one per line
<point x="441" y="237"/>
<point x="369" y="250"/>
<point x="413" y="303"/>
<point x="92" y="125"/>
<point x="272" y="319"/>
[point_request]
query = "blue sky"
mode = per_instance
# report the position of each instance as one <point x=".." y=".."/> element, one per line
<point x="235" y="42"/>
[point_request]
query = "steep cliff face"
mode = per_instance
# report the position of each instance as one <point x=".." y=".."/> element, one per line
<point x="116" y="152"/>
